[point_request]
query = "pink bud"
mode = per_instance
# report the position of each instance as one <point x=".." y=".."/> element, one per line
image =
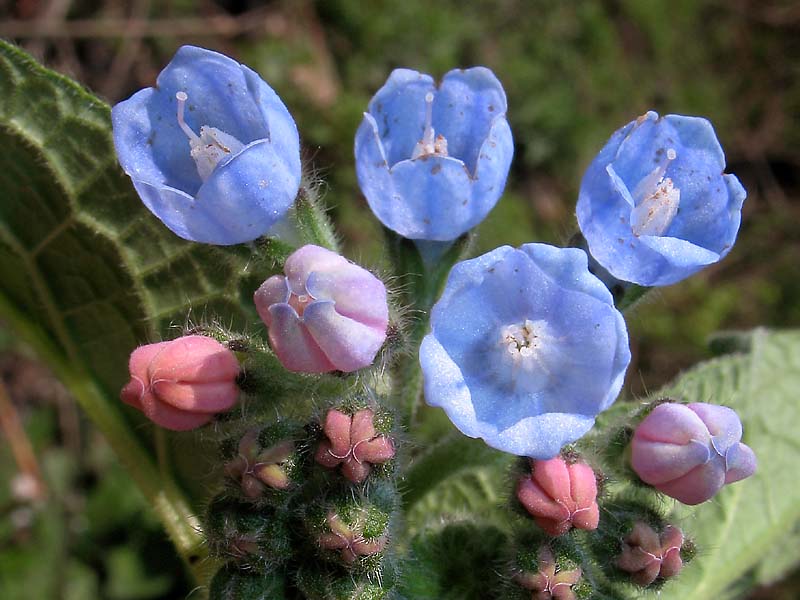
<point x="326" y="314"/>
<point x="349" y="540"/>
<point x="182" y="384"/>
<point x="648" y="556"/>
<point x="689" y="451"/>
<point x="353" y="443"/>
<point x="549" y="583"/>
<point x="560" y="496"/>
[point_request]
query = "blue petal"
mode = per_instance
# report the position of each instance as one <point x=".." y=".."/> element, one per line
<point x="465" y="363"/>
<point x="698" y="133"/>
<point x="706" y="223"/>
<point x="180" y="212"/>
<point x="247" y="195"/>
<point x="465" y="108"/>
<point x="282" y="128"/>
<point x="150" y="145"/>
<point x="432" y="197"/>
<point x="219" y="94"/>
<point x="399" y="111"/>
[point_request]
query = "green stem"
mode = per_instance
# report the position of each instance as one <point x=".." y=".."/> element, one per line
<point x="422" y="282"/>
<point x="161" y="493"/>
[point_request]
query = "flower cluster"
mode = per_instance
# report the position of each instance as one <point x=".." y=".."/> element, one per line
<point x="525" y="346"/>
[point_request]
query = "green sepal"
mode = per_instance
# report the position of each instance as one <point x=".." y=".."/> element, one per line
<point x="253" y="537"/>
<point x="233" y="583"/>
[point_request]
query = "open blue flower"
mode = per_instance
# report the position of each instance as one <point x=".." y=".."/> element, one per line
<point x="655" y="205"/>
<point x="525" y="349"/>
<point x="433" y="162"/>
<point x="211" y="149"/>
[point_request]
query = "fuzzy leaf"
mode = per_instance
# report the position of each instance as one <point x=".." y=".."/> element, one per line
<point x="747" y="520"/>
<point x="88" y="273"/>
<point x="457" y="477"/>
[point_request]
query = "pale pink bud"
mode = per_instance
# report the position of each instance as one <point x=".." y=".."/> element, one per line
<point x="353" y="443"/>
<point x="183" y="383"/>
<point x="648" y="556"/>
<point x="560" y="496"/>
<point x="325" y="314"/>
<point x="689" y="451"/>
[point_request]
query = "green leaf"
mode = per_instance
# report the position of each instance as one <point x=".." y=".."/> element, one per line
<point x="457" y="477"/>
<point x="747" y="521"/>
<point x="88" y="273"/>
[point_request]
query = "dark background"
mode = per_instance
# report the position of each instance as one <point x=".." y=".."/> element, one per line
<point x="574" y="71"/>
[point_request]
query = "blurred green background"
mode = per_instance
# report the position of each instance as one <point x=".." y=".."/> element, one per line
<point x="574" y="71"/>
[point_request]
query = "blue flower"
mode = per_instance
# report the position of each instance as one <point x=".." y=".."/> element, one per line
<point x="525" y="349"/>
<point x="655" y="205"/>
<point x="433" y="162"/>
<point x="211" y="149"/>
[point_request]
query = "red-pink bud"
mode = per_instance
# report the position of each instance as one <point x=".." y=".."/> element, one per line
<point x="648" y="556"/>
<point x="183" y="383"/>
<point x="353" y="443"/>
<point x="689" y="451"/>
<point x="560" y="496"/>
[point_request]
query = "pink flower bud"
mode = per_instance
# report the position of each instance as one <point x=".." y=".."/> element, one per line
<point x="648" y="556"/>
<point x="349" y="540"/>
<point x="689" y="451"/>
<point x="353" y="443"/>
<point x="326" y="314"/>
<point x="182" y="384"/>
<point x="560" y="496"/>
<point x="549" y="583"/>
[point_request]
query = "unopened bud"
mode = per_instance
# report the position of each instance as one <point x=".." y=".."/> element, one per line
<point x="353" y="443"/>
<point x="689" y="451"/>
<point x="560" y="496"/>
<point x="183" y="383"/>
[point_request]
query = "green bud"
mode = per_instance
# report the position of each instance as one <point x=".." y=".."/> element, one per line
<point x="231" y="583"/>
<point x="264" y="466"/>
<point x="257" y="537"/>
<point x="354" y="530"/>
<point x="327" y="582"/>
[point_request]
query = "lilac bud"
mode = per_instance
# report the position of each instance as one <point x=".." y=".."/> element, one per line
<point x="326" y="314"/>
<point x="689" y="451"/>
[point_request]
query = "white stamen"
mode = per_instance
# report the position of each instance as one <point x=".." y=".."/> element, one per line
<point x="656" y="201"/>
<point x="182" y="97"/>
<point x="208" y="148"/>
<point x="430" y="144"/>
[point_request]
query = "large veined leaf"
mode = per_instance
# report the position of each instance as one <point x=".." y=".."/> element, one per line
<point x="87" y="272"/>
<point x="741" y="532"/>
